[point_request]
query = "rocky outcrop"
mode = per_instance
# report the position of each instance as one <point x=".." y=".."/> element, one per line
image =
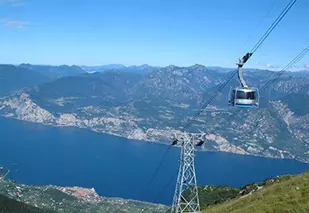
<point x="23" y="108"/>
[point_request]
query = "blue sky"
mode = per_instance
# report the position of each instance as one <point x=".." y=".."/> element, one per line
<point x="155" y="32"/>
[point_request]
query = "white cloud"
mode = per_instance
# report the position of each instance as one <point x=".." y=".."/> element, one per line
<point x="14" y="3"/>
<point x="306" y="66"/>
<point x="14" y="23"/>
<point x="270" y="66"/>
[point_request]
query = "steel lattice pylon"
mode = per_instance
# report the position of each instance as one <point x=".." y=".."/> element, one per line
<point x="186" y="193"/>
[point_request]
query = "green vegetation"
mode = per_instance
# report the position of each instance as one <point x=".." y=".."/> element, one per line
<point x="284" y="194"/>
<point x="211" y="195"/>
<point x="69" y="200"/>
<point x="8" y="205"/>
<point x="14" y="78"/>
<point x="59" y="196"/>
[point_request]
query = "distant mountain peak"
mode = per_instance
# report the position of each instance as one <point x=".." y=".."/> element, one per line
<point x="172" y="67"/>
<point x="198" y="66"/>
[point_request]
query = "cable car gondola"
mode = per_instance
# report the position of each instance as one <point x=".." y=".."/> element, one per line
<point x="243" y="96"/>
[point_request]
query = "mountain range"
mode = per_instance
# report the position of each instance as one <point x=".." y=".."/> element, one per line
<point x="140" y="69"/>
<point x="154" y="105"/>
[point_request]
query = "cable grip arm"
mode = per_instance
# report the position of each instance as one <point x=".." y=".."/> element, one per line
<point x="240" y="64"/>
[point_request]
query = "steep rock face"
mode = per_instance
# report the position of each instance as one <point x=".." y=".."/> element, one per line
<point x="23" y="108"/>
<point x="223" y="145"/>
<point x="297" y="125"/>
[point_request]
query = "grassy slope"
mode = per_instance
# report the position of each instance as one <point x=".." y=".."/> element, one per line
<point x="212" y="195"/>
<point x="289" y="194"/>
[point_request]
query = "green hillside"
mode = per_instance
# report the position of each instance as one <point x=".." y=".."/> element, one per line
<point x="8" y="205"/>
<point x="66" y="200"/>
<point x="285" y="194"/>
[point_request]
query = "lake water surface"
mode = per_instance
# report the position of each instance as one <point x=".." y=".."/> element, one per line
<point x="118" y="167"/>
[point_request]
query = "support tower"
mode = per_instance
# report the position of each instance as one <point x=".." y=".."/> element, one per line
<point x="186" y="193"/>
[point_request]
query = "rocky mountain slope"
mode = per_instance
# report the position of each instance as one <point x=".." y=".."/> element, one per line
<point x="152" y="107"/>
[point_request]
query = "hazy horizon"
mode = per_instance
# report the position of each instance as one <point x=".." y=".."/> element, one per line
<point x="297" y="69"/>
<point x="158" y="32"/>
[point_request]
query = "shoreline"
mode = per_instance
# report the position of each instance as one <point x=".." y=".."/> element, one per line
<point x="149" y="141"/>
<point x="8" y="172"/>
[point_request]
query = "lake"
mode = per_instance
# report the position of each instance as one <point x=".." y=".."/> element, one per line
<point x="119" y="167"/>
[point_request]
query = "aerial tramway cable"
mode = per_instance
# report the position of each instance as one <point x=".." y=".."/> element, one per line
<point x="257" y="26"/>
<point x="302" y="54"/>
<point x="254" y="49"/>
<point x="273" y="26"/>
<point x="214" y="95"/>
